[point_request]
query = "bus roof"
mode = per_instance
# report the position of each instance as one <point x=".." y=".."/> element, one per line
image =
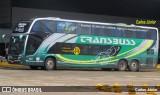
<point x="91" y="22"/>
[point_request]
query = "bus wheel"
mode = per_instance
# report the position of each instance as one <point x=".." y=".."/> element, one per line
<point x="133" y="66"/>
<point x="50" y="64"/>
<point x="122" y="65"/>
<point x="33" y="67"/>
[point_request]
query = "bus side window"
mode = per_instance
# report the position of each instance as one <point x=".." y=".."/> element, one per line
<point x="118" y="33"/>
<point x="85" y="28"/>
<point x="43" y="28"/>
<point x="97" y="30"/>
<point x="48" y="26"/>
<point x="84" y="49"/>
<point x="94" y="50"/>
<point x="66" y="27"/>
<point x="129" y="34"/>
<point x="153" y="34"/>
<point x="110" y="32"/>
<point x="36" y="27"/>
<point x="142" y="35"/>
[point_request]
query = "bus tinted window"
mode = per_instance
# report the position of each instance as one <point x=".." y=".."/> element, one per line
<point x="36" y="27"/>
<point x="84" y="49"/>
<point x="98" y="30"/>
<point x="44" y="26"/>
<point x="118" y="33"/>
<point x="129" y="34"/>
<point x="69" y="48"/>
<point x="94" y="50"/>
<point x="104" y="50"/>
<point x="142" y="35"/>
<point x="66" y="27"/>
<point x="153" y="34"/>
<point x="110" y="32"/>
<point x="48" y="26"/>
<point x="85" y="28"/>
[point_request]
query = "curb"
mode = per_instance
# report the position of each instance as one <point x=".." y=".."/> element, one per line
<point x="4" y="64"/>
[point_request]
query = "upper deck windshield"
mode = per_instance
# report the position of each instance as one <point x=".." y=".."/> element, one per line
<point x="17" y="45"/>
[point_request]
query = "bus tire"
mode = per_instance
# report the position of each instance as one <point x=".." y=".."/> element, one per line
<point x="133" y="66"/>
<point x="49" y="64"/>
<point x="34" y="67"/>
<point x="122" y="65"/>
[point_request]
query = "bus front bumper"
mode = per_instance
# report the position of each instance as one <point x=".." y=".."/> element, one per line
<point x="14" y="61"/>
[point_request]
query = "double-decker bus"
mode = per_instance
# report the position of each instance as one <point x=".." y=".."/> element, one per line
<point x="53" y="42"/>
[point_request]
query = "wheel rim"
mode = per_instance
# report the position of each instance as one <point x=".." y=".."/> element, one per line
<point x="49" y="64"/>
<point x="134" y="65"/>
<point x="122" y="66"/>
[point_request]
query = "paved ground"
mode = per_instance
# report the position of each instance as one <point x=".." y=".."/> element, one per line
<point x="23" y="76"/>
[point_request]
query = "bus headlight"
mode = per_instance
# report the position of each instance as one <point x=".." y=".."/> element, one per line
<point x="19" y="57"/>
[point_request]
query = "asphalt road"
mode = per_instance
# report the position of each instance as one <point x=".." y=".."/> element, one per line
<point x="23" y="76"/>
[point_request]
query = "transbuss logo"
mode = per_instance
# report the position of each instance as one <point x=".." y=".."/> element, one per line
<point x="104" y="40"/>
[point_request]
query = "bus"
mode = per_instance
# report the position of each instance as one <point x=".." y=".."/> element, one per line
<point x="52" y="42"/>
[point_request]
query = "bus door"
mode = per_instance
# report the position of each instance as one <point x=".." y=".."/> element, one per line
<point x="31" y="49"/>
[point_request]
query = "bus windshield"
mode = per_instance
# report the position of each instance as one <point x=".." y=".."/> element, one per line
<point x="17" y="45"/>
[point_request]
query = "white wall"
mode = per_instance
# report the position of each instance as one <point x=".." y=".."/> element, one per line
<point x="19" y="13"/>
<point x="7" y="33"/>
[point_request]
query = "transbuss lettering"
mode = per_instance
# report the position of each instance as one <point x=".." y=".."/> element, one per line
<point x="115" y="41"/>
<point x="103" y="40"/>
<point x="109" y="41"/>
<point x="128" y="42"/>
<point x="98" y="40"/>
<point x="121" y="42"/>
<point x="133" y="42"/>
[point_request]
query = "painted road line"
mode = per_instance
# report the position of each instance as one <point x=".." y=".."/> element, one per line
<point x="150" y="76"/>
<point x="130" y="76"/>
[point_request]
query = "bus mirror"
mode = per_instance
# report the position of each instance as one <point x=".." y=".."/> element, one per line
<point x="3" y="36"/>
<point x="20" y="38"/>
